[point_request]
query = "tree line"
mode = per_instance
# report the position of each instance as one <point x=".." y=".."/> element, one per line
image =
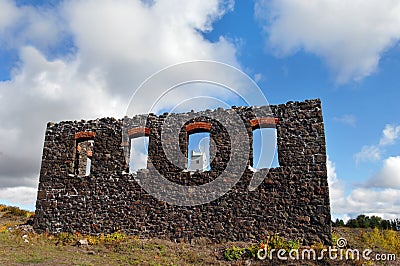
<point x="363" y="221"/>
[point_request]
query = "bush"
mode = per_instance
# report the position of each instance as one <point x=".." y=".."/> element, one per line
<point x="115" y="237"/>
<point x="277" y="242"/>
<point x="387" y="239"/>
<point x="11" y="210"/>
<point x="66" y="238"/>
<point x="233" y="253"/>
<point x="273" y="242"/>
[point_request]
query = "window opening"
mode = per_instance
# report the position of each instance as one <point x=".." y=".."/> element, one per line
<point x="263" y="143"/>
<point x="138" y="153"/>
<point x="199" y="151"/>
<point x="84" y="153"/>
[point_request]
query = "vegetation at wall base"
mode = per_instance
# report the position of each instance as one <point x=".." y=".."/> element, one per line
<point x="21" y="246"/>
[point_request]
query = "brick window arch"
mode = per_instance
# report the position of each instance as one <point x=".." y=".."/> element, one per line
<point x="197" y="127"/>
<point x="264" y="122"/>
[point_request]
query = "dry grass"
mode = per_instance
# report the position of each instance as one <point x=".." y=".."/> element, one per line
<point x="19" y="247"/>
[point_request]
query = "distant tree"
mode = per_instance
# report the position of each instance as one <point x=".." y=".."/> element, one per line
<point x="338" y="223"/>
<point x="385" y="224"/>
<point x="335" y="223"/>
<point x="395" y="224"/>
<point x="363" y="221"/>
<point x="375" y="221"/>
<point x="341" y="223"/>
<point x="352" y="223"/>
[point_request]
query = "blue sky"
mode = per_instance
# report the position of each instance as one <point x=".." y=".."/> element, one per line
<point x="63" y="60"/>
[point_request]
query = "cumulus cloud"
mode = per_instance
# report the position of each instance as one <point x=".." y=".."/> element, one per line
<point x="9" y="14"/>
<point x="130" y="40"/>
<point x="350" y="36"/>
<point x="21" y="196"/>
<point x="388" y="176"/>
<point x="38" y="26"/>
<point x="39" y="92"/>
<point x="379" y="194"/>
<point x="116" y="45"/>
<point x="366" y="199"/>
<point x="336" y="186"/>
<point x="383" y="203"/>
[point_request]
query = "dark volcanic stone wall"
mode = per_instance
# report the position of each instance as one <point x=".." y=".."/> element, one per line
<point x="293" y="199"/>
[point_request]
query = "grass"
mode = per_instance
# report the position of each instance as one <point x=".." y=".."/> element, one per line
<point x="119" y="249"/>
<point x="114" y="249"/>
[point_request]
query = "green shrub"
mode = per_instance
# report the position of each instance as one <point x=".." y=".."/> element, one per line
<point x="233" y="253"/>
<point x="251" y="251"/>
<point x="291" y="244"/>
<point x="273" y="242"/>
<point x="387" y="239"/>
<point x="277" y="242"/>
<point x="66" y="238"/>
<point x="115" y="237"/>
<point x="16" y="211"/>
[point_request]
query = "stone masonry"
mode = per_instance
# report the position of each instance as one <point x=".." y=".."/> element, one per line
<point x="292" y="200"/>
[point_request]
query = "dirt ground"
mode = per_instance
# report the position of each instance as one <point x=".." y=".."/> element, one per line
<point x="20" y="246"/>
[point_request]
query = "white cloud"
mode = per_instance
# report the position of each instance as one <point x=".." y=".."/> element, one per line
<point x="369" y="201"/>
<point x="390" y="135"/>
<point x="21" y="196"/>
<point x="347" y="120"/>
<point x="9" y="14"/>
<point x="379" y="194"/>
<point x="388" y="176"/>
<point x="130" y="41"/>
<point x="362" y="200"/>
<point x="39" y="92"/>
<point x="384" y="203"/>
<point x="37" y="26"/>
<point x="117" y="45"/>
<point x="336" y="186"/>
<point x="368" y="153"/>
<point x="349" y="35"/>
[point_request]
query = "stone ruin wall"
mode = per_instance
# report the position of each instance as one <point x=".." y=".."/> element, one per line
<point x="293" y="199"/>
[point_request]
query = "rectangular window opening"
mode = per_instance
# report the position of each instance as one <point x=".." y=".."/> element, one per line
<point x="199" y="152"/>
<point x="84" y="153"/>
<point x="265" y="150"/>
<point x="138" y="153"/>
